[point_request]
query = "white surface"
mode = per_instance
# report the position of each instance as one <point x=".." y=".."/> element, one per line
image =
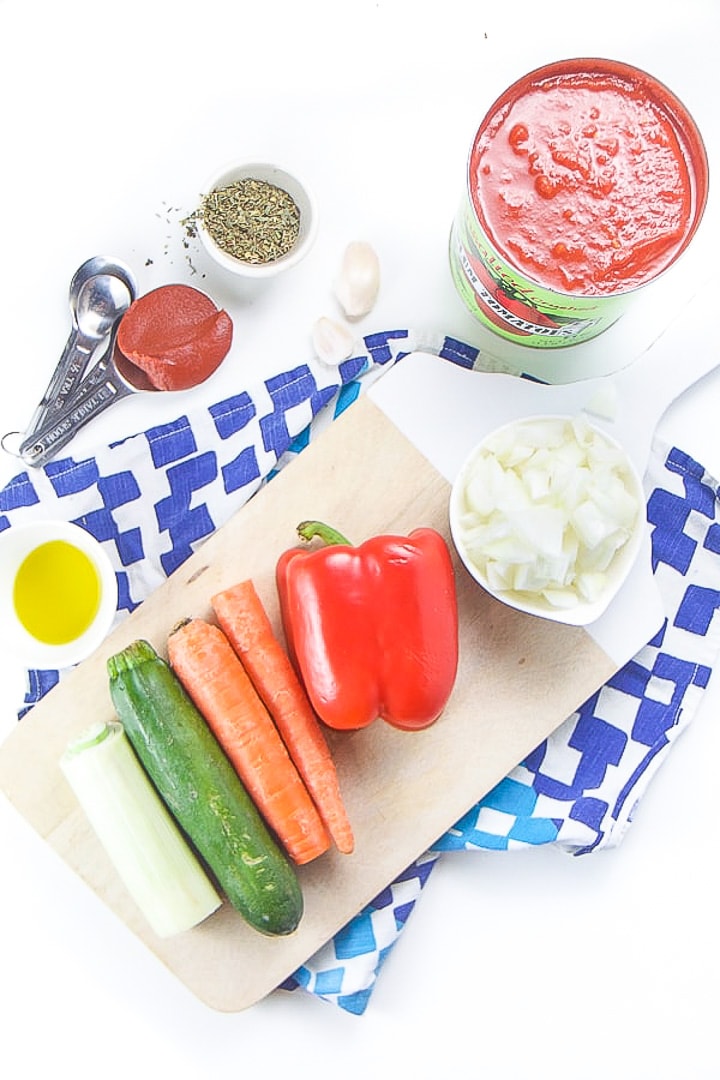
<point x="515" y="965"/>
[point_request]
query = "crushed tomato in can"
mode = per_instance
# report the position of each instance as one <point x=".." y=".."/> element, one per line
<point x="586" y="180"/>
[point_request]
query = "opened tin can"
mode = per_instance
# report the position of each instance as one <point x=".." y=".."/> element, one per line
<point x="586" y="180"/>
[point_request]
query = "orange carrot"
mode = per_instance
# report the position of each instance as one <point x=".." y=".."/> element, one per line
<point x="242" y="616"/>
<point x="213" y="676"/>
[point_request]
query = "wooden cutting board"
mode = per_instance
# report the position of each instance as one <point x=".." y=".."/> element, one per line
<point x="519" y="677"/>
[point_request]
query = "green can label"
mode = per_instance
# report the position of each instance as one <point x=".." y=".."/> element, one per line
<point x="513" y="306"/>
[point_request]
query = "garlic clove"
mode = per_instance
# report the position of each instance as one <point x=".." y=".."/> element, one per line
<point x="333" y="343"/>
<point x="358" y="282"/>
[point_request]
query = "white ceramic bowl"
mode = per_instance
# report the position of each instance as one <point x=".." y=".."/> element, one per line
<point x="16" y="543"/>
<point x="583" y="611"/>
<point x="281" y="178"/>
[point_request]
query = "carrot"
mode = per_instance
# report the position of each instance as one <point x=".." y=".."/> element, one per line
<point x="215" y="679"/>
<point x="242" y="616"/>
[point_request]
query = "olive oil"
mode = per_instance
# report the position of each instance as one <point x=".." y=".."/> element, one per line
<point x="56" y="592"/>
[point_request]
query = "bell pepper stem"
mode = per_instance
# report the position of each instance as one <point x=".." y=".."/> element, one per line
<point x="309" y="530"/>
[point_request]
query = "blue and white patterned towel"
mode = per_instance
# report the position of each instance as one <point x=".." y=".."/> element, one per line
<point x="152" y="498"/>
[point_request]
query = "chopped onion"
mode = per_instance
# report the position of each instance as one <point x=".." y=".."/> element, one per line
<point x="141" y="838"/>
<point x="545" y="506"/>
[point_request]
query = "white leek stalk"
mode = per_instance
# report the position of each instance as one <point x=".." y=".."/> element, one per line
<point x="141" y="838"/>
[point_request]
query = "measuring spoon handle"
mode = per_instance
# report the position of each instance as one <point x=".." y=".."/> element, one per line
<point x="97" y="391"/>
<point x="69" y="369"/>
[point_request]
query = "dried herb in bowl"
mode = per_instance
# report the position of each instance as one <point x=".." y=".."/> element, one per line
<point x="252" y="220"/>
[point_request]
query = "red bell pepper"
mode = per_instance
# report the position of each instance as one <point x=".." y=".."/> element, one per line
<point x="373" y="629"/>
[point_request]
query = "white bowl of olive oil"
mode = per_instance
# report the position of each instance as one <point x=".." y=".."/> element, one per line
<point x="58" y="594"/>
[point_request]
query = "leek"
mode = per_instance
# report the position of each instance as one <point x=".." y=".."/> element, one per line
<point x="150" y="854"/>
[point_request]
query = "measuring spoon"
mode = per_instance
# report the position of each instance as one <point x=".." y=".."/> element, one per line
<point x="100" y="290"/>
<point x="112" y="378"/>
<point x="99" y="264"/>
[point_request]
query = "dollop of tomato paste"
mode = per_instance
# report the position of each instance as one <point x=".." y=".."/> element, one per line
<point x="583" y="183"/>
<point x="176" y="335"/>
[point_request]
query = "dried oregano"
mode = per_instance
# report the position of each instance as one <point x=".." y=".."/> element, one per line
<point x="252" y="220"/>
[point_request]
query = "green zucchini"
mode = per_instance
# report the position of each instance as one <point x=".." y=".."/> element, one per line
<point x="202" y="790"/>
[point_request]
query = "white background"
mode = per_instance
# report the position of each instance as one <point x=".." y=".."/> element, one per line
<point x="513" y="965"/>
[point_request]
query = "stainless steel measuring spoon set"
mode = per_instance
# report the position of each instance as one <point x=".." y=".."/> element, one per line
<point x="101" y="291"/>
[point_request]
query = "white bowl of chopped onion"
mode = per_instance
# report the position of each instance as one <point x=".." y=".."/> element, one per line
<point x="547" y="513"/>
<point x="256" y="219"/>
